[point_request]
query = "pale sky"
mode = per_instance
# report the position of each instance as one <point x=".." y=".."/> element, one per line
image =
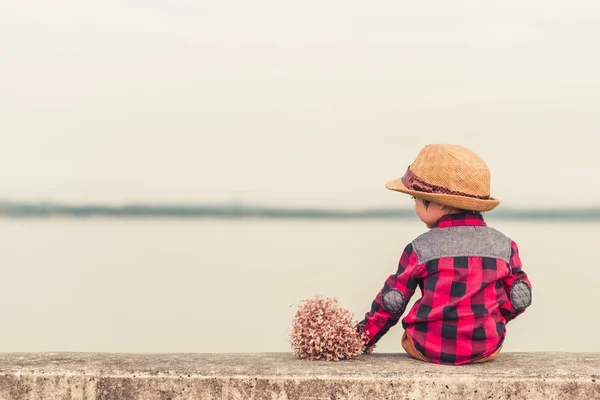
<point x="304" y="103"/>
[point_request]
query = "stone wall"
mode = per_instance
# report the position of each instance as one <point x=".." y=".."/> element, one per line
<point x="281" y="376"/>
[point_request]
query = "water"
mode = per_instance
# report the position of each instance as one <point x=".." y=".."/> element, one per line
<point x="167" y="285"/>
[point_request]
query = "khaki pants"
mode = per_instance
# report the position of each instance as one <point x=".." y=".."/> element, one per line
<point x="409" y="347"/>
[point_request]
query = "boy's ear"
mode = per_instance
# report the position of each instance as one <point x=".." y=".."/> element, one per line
<point x="448" y="208"/>
<point x="441" y="206"/>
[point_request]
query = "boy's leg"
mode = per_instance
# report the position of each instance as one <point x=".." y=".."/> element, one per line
<point x="409" y="347"/>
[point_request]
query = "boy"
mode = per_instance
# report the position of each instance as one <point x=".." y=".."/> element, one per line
<point x="470" y="275"/>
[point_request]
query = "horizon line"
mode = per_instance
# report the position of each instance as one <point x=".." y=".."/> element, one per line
<point x="47" y="209"/>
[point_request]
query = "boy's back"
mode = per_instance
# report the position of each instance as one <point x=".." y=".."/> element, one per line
<point x="472" y="284"/>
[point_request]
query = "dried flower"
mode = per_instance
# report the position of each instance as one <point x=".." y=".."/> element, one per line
<point x="323" y="330"/>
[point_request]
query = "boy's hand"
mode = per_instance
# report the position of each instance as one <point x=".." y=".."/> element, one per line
<point x="369" y="350"/>
<point x="363" y="335"/>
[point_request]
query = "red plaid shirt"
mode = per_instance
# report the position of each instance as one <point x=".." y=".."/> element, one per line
<point x="471" y="282"/>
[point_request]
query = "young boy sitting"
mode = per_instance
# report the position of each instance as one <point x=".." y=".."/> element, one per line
<point x="470" y="275"/>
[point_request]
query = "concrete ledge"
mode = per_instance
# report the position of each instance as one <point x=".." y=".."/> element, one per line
<point x="281" y="376"/>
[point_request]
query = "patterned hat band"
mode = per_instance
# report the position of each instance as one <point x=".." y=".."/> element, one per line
<point x="413" y="182"/>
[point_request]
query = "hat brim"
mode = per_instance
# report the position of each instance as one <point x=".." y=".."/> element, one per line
<point x="452" y="200"/>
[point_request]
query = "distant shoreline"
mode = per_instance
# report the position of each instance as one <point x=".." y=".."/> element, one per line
<point x="54" y="210"/>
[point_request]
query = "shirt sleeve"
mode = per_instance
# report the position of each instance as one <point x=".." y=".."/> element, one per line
<point x="517" y="287"/>
<point x="391" y="301"/>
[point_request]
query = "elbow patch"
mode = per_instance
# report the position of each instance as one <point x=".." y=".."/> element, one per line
<point x="520" y="295"/>
<point x="393" y="301"/>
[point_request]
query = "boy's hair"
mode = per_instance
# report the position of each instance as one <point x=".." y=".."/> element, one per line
<point x="426" y="203"/>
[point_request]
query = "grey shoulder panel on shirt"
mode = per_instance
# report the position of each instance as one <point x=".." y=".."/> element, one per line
<point x="457" y="241"/>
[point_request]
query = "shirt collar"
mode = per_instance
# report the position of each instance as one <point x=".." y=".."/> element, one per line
<point x="461" y="219"/>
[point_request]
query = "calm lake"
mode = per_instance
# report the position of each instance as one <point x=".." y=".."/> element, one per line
<point x="202" y="285"/>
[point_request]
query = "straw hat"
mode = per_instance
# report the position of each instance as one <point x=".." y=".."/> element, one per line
<point x="448" y="174"/>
